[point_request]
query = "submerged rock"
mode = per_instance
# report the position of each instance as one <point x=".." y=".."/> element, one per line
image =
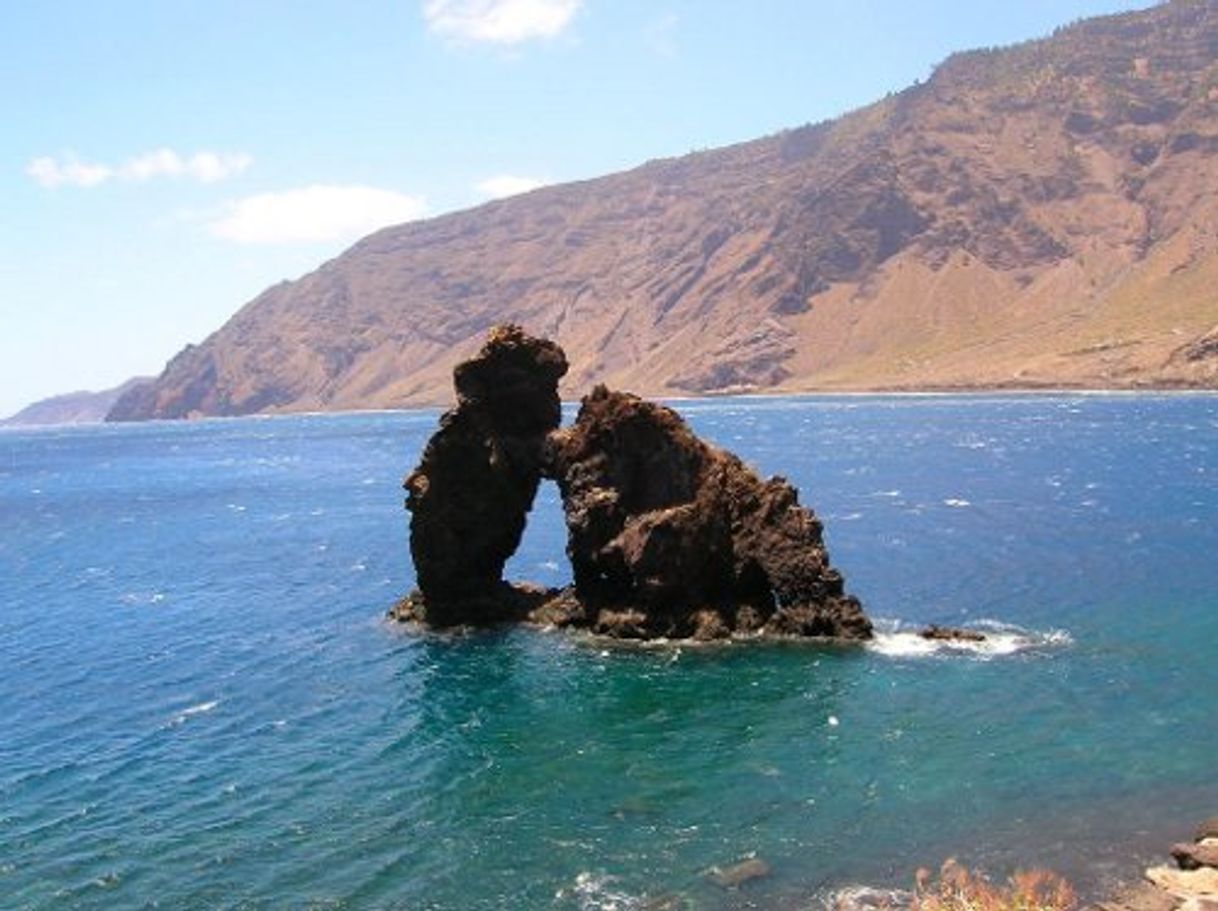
<point x="667" y="535"/>
<point x="735" y="875"/>
<point x="475" y="485"/>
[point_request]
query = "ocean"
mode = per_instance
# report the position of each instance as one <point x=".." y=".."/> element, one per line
<point x="201" y="705"/>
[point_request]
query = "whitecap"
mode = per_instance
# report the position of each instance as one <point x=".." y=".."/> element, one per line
<point x="1001" y="639"/>
<point x="866" y="898"/>
<point x="956" y="502"/>
<point x="201" y="709"/>
<point x="595" y="892"/>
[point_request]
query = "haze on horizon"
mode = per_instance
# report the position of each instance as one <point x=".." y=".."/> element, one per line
<point x="165" y="163"/>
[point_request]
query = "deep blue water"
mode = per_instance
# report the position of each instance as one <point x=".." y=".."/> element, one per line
<point x="200" y="705"/>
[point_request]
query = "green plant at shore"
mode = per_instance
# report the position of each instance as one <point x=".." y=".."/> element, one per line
<point x="956" y="888"/>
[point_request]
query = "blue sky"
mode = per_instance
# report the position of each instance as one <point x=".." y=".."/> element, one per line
<point x="163" y="162"/>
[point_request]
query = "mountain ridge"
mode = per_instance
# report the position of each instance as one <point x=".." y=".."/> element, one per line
<point x="1030" y="216"/>
<point x="81" y="407"/>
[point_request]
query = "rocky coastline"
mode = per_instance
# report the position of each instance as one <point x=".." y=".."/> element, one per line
<point x="1188" y="883"/>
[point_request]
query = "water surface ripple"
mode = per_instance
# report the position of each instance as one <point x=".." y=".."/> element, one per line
<point x="201" y="707"/>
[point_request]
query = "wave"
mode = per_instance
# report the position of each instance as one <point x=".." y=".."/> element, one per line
<point x="595" y="892"/>
<point x="895" y="640"/>
<point x="186" y="713"/>
<point x="866" y="898"/>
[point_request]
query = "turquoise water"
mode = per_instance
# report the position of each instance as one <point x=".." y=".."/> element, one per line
<point x="200" y="705"/>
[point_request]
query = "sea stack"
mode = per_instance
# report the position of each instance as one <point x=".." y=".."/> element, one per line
<point x="671" y="537"/>
<point x="667" y="536"/>
<point x="474" y="487"/>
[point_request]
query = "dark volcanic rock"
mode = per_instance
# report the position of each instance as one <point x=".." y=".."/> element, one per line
<point x="667" y="536"/>
<point x="474" y="487"/>
<point x="951" y="634"/>
<point x="671" y="537"/>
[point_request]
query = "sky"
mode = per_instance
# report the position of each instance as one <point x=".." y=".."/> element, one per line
<point x="164" y="161"/>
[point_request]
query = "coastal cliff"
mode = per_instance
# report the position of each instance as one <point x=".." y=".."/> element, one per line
<point x="1030" y="216"/>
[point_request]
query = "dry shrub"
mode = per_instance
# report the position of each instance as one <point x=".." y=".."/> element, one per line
<point x="958" y="889"/>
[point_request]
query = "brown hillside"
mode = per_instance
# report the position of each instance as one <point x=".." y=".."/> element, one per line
<point x="1040" y="215"/>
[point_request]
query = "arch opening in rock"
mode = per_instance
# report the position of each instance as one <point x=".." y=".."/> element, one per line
<point x="667" y="536"/>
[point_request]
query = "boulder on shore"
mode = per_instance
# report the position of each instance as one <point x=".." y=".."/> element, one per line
<point x="1202" y="853"/>
<point x="667" y="535"/>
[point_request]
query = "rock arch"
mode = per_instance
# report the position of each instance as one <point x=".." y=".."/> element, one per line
<point x="667" y="535"/>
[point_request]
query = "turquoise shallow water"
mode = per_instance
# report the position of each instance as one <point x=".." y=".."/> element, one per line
<point x="200" y="705"/>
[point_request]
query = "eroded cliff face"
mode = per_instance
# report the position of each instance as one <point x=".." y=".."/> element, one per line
<point x="667" y="536"/>
<point x="1038" y="215"/>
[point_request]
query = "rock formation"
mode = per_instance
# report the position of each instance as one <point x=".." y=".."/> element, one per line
<point x="668" y="536"/>
<point x="1192" y="885"/>
<point x="479" y="473"/>
<point x="671" y="537"/>
<point x="937" y="633"/>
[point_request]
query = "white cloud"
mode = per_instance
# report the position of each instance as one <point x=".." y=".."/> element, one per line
<point x="205" y="167"/>
<point x="508" y="185"/>
<point x="313" y="214"/>
<point x="51" y="173"/>
<point x="499" y="21"/>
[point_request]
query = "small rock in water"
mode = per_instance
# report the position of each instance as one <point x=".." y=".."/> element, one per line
<point x="738" y="873"/>
<point x="951" y="633"/>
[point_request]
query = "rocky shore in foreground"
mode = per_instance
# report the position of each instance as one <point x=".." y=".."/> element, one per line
<point x="1188" y="883"/>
